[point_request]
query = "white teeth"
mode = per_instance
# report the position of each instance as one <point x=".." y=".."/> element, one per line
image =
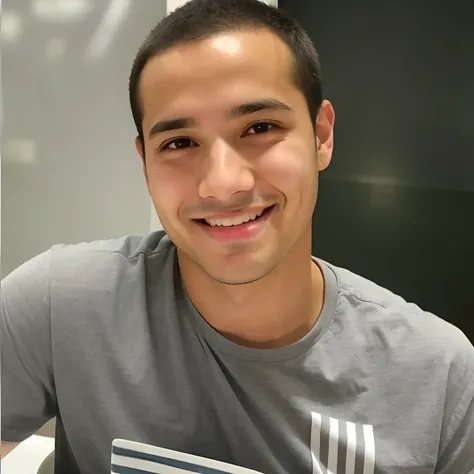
<point x="230" y="221"/>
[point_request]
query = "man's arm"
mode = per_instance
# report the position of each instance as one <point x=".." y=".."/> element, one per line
<point x="6" y="448"/>
<point x="456" y="455"/>
<point x="27" y="384"/>
<point x="458" y="458"/>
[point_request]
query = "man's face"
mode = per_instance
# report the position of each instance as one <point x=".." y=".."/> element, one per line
<point x="232" y="158"/>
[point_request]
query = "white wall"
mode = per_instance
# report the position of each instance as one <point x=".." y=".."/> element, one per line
<point x="70" y="171"/>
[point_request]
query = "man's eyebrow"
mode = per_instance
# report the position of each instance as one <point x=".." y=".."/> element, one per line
<point x="257" y="106"/>
<point x="173" y="124"/>
<point x="239" y="111"/>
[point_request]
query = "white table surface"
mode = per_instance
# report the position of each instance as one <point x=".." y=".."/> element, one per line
<point x="28" y="456"/>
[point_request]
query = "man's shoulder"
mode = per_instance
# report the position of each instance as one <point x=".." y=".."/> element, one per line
<point x="388" y="320"/>
<point x="363" y="290"/>
<point x="98" y="264"/>
<point x="129" y="247"/>
<point x="104" y="262"/>
<point x="412" y="355"/>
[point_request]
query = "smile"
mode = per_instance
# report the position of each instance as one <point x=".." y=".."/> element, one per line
<point x="232" y="221"/>
<point x="242" y="227"/>
<point x="237" y="220"/>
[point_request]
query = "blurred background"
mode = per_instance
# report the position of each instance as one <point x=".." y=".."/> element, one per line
<point x="397" y="203"/>
<point x="70" y="171"/>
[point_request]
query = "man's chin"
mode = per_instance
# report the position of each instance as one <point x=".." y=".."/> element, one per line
<point x="227" y="264"/>
<point x="242" y="270"/>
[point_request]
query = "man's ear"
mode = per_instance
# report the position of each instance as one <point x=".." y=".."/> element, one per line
<point x="325" y="134"/>
<point x="141" y="151"/>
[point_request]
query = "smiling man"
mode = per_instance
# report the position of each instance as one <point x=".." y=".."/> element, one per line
<point x="224" y="337"/>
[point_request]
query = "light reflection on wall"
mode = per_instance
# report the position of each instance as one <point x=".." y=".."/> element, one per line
<point x="61" y="10"/>
<point x="21" y="151"/>
<point x="11" y="26"/>
<point x="112" y="19"/>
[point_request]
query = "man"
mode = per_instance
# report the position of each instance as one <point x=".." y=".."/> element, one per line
<point x="223" y="337"/>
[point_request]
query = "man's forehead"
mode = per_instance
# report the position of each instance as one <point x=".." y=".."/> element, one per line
<point x="215" y="77"/>
<point x="230" y="43"/>
<point x="227" y="55"/>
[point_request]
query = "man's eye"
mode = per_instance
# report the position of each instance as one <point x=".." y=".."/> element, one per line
<point x="179" y="144"/>
<point x="260" y="127"/>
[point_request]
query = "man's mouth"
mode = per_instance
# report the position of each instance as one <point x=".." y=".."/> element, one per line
<point x="238" y="220"/>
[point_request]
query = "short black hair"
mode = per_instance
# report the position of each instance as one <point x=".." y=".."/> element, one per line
<point x="200" y="19"/>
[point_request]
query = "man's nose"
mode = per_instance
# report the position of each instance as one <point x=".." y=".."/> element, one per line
<point x="226" y="173"/>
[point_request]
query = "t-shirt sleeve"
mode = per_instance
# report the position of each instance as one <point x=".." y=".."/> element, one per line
<point x="456" y="454"/>
<point x="27" y="384"/>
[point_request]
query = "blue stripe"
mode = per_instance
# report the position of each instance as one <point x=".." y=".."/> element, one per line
<point x="186" y="466"/>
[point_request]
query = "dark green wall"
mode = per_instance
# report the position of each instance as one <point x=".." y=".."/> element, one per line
<point x="397" y="204"/>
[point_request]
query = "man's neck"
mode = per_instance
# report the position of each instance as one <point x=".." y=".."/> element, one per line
<point x="275" y="311"/>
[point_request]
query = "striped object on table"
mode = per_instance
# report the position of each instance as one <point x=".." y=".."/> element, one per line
<point x="130" y="457"/>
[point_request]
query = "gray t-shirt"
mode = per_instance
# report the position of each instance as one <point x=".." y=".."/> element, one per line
<point x="104" y="335"/>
